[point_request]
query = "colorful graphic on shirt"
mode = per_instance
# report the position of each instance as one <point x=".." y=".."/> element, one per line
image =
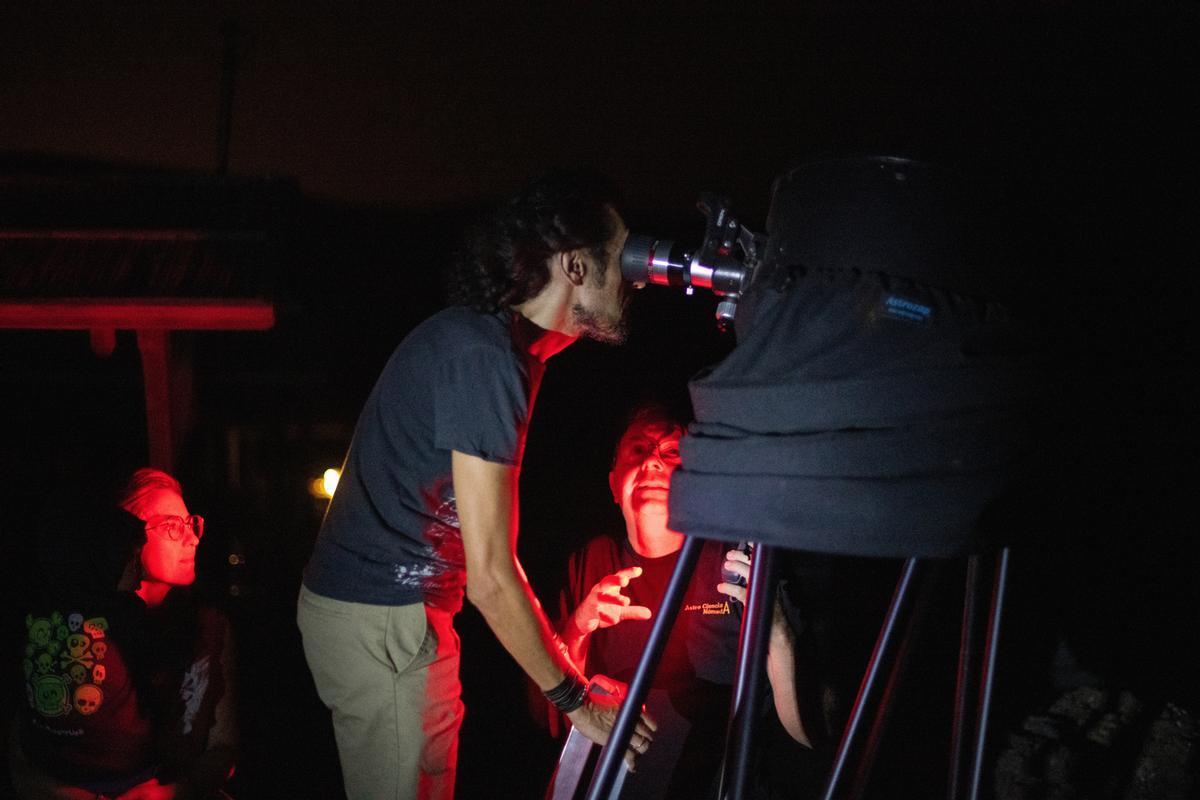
<point x="88" y="698"/>
<point x="50" y="696"/>
<point x="440" y="569"/>
<point x="39" y="631"/>
<point x="95" y="627"/>
<point x="62" y="664"/>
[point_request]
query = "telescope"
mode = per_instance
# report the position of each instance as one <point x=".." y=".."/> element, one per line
<point x="724" y="263"/>
<point x="877" y="403"/>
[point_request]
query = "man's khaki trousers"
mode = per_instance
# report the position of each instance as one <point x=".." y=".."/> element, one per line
<point x="389" y="675"/>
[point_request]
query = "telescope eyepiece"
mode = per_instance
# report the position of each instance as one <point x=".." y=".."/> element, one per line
<point x="649" y="259"/>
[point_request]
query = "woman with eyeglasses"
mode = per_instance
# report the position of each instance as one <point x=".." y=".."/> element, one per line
<point x="128" y="673"/>
<point x="168" y="555"/>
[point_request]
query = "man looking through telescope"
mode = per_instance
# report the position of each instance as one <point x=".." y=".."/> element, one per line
<point x="427" y="505"/>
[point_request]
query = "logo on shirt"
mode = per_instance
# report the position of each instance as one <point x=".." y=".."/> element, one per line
<point x="709" y="608"/>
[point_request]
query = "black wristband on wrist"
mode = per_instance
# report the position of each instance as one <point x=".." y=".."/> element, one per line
<point x="568" y="695"/>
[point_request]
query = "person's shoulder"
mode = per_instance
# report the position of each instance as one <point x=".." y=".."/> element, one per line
<point x="460" y="324"/>
<point x="447" y="336"/>
<point x="456" y="333"/>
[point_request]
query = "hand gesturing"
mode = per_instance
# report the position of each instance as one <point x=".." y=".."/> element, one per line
<point x="605" y="606"/>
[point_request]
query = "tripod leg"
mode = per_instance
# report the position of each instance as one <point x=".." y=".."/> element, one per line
<point x="752" y="657"/>
<point x="999" y="588"/>
<point x="603" y="786"/>
<point x="968" y="678"/>
<point x="913" y="632"/>
<point x="866" y="690"/>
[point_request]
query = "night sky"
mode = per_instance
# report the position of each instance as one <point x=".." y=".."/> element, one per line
<point x="395" y="123"/>
<point x="421" y="106"/>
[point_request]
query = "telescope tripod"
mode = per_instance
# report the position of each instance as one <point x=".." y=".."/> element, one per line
<point x="855" y="755"/>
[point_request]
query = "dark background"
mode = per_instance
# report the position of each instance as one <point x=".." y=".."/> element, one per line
<point x="384" y="128"/>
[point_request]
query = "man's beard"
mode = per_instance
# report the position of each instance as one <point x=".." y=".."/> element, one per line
<point x="600" y="327"/>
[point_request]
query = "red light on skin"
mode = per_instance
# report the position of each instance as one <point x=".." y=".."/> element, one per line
<point x="165" y="563"/>
<point x="640" y="479"/>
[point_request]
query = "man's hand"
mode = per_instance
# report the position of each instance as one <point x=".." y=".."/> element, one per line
<point x="596" y="717"/>
<point x="781" y="650"/>
<point x="605" y="606"/>
<point x="738" y="563"/>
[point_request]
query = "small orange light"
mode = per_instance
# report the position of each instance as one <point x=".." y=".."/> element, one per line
<point x="326" y="485"/>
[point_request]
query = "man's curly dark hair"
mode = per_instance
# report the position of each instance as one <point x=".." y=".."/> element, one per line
<point x="502" y="262"/>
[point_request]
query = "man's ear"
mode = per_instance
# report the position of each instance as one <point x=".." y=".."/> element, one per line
<point x="613" y="487"/>
<point x="574" y="266"/>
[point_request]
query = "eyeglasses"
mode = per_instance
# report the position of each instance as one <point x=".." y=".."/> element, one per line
<point x="174" y="527"/>
<point x="666" y="449"/>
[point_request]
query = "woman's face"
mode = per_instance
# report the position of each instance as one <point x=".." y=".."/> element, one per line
<point x="165" y="560"/>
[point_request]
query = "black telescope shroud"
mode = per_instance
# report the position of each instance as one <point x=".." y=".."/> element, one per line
<point x="877" y="402"/>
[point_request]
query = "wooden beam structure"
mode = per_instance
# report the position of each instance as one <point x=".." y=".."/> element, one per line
<point x="152" y="319"/>
<point x="106" y="249"/>
<point x="161" y="313"/>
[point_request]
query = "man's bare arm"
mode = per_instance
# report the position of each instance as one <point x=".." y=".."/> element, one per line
<point x="485" y="493"/>
<point x="486" y="496"/>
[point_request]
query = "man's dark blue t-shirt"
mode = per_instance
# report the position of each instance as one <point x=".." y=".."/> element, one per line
<point x="461" y="381"/>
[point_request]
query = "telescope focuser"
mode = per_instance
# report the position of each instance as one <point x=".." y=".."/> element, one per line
<point x="724" y="263"/>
